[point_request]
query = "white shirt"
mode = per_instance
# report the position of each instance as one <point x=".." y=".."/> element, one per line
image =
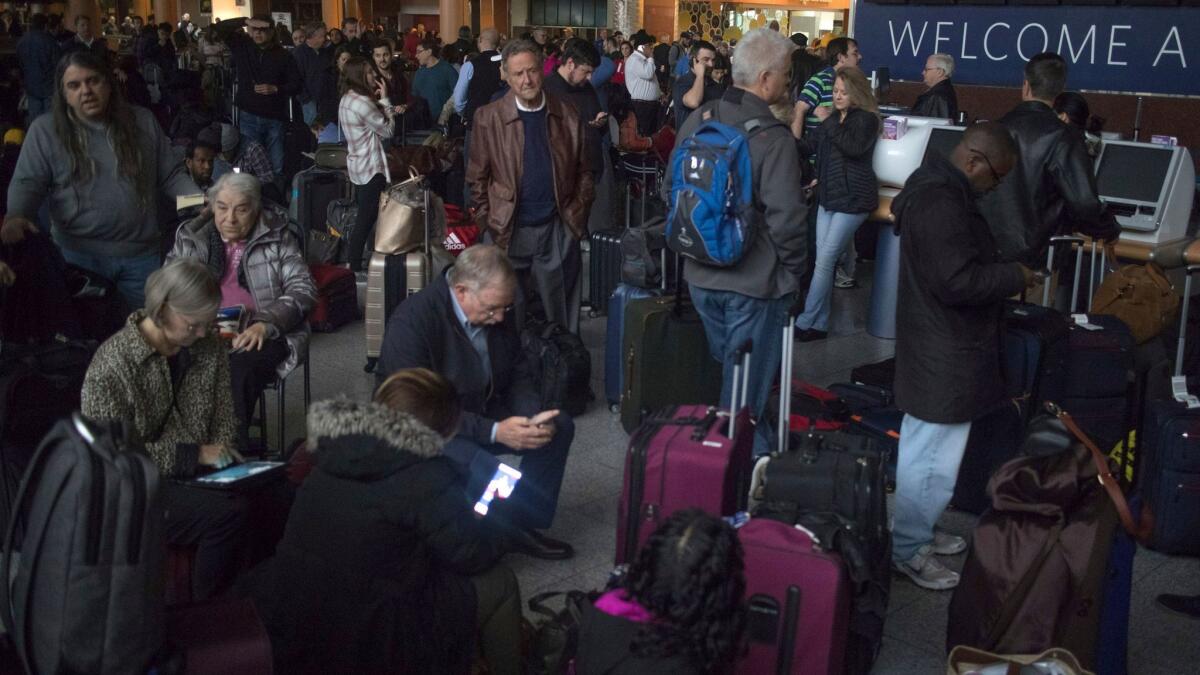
<point x="639" y="77"/>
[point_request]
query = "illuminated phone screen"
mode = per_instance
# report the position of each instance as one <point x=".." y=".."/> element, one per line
<point x="501" y="486"/>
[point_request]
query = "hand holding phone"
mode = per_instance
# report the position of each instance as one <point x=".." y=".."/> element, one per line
<point x="503" y="482"/>
<point x="543" y="417"/>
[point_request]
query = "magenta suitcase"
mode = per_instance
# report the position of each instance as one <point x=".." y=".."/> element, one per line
<point x="682" y="457"/>
<point x="799" y="602"/>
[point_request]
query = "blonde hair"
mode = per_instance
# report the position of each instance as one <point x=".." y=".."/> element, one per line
<point x="185" y="286"/>
<point x="858" y="88"/>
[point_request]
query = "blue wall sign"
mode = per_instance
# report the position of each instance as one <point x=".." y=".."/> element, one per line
<point x="1126" y="49"/>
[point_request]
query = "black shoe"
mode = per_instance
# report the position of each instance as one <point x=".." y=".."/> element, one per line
<point x="535" y="544"/>
<point x="811" y="335"/>
<point x="1186" y="605"/>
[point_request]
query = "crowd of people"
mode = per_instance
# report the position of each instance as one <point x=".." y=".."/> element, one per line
<point x="395" y="566"/>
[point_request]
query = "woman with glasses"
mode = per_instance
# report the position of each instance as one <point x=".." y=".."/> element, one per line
<point x="265" y="286"/>
<point x="165" y="376"/>
<point x="846" y="187"/>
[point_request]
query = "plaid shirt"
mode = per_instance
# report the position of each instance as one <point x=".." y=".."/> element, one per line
<point x="365" y="127"/>
<point x="254" y="160"/>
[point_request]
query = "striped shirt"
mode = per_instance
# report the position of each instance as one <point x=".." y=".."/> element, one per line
<point x="365" y="127"/>
<point x="818" y="91"/>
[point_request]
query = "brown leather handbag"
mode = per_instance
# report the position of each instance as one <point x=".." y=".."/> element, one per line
<point x="1139" y="295"/>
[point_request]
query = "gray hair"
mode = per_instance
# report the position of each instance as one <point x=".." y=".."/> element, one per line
<point x="186" y="286"/>
<point x="480" y="266"/>
<point x="311" y="28"/>
<point x="245" y="184"/>
<point x="760" y="51"/>
<point x="943" y="61"/>
<point x="490" y="36"/>
<point x="515" y="47"/>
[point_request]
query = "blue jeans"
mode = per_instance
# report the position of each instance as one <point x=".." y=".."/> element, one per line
<point x="310" y="112"/>
<point x="128" y="273"/>
<point x="834" y="230"/>
<point x="729" y="320"/>
<point x="535" y="499"/>
<point x="267" y="131"/>
<point x="926" y="470"/>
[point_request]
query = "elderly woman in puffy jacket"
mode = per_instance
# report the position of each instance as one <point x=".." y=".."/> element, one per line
<point x="260" y="268"/>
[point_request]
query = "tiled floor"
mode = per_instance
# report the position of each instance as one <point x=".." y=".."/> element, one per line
<point x="1159" y="642"/>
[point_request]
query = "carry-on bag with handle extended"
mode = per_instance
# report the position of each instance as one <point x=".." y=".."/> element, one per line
<point x="686" y="456"/>
<point x="665" y="357"/>
<point x="1169" y="447"/>
<point x="604" y="268"/>
<point x="392" y="277"/>
<point x="798" y="601"/>
<point x="312" y="190"/>
<point x="87" y="592"/>
<point x="831" y="484"/>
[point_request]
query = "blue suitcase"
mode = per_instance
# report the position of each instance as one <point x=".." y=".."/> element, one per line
<point x="1112" y="644"/>
<point x="614" y="336"/>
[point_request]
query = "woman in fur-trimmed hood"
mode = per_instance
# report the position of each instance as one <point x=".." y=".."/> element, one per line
<point x="374" y="573"/>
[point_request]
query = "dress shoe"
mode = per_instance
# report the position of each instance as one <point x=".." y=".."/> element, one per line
<point x="1185" y="605"/>
<point x="538" y="545"/>
<point x="811" y="335"/>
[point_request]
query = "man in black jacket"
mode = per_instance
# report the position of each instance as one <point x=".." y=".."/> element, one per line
<point x="947" y="338"/>
<point x="1052" y="189"/>
<point x="457" y="328"/>
<point x="267" y="78"/>
<point x="572" y="81"/>
<point x="939" y="100"/>
<point x="314" y="60"/>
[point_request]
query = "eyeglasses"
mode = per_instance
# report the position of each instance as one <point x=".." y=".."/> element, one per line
<point x="926" y="70"/>
<point x="981" y="155"/>
<point x="490" y="311"/>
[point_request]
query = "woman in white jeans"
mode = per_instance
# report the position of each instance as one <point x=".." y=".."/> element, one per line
<point x="846" y="188"/>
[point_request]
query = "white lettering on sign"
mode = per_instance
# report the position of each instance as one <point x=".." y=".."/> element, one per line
<point x="937" y="36"/>
<point x="1178" y="50"/>
<point x="986" y="49"/>
<point x="907" y="31"/>
<point x="965" y="56"/>
<point x="1039" y="50"/>
<point x="1113" y="44"/>
<point x="1064" y="40"/>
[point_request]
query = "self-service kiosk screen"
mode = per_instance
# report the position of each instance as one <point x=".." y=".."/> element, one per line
<point x="1133" y="172"/>
<point x="942" y="141"/>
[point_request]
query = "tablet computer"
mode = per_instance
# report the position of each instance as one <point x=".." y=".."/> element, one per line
<point x="239" y="476"/>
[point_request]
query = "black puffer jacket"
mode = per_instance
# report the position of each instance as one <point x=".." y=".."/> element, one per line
<point x="845" y="173"/>
<point x="949" y="304"/>
<point x="371" y="574"/>
<point x="1051" y="190"/>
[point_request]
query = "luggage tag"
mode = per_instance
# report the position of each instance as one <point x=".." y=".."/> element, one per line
<point x="1180" y="392"/>
<point x="1081" y="320"/>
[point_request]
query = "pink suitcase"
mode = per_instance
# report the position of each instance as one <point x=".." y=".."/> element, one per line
<point x="799" y="601"/>
<point x="686" y="456"/>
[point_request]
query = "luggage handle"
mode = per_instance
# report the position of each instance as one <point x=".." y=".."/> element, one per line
<point x="1064" y="239"/>
<point x="785" y="373"/>
<point x="1179" y="389"/>
<point x="741" y="382"/>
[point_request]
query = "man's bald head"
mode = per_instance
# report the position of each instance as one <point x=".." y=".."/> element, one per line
<point x="985" y="154"/>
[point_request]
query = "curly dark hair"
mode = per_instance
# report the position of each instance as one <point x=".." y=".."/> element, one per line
<point x="690" y="575"/>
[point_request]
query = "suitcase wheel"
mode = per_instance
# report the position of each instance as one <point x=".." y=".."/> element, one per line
<point x="594" y="313"/>
<point x="370" y="367"/>
<point x="614" y="408"/>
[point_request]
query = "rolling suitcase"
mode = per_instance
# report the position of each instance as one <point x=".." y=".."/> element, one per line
<point x="312" y="191"/>
<point x="798" y="596"/>
<point x="665" y="358"/>
<point x="604" y="268"/>
<point x="337" y="298"/>
<point x="1169" y="471"/>
<point x="221" y="637"/>
<point x="614" y="333"/>
<point x="686" y="456"/>
<point x="391" y="279"/>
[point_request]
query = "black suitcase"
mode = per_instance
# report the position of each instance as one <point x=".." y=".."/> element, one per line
<point x="604" y="271"/>
<point x="312" y="191"/>
<point x="881" y="374"/>
<point x="995" y="438"/>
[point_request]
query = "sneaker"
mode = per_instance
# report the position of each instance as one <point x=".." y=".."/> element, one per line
<point x="948" y="544"/>
<point x="926" y="572"/>
<point x="843" y="280"/>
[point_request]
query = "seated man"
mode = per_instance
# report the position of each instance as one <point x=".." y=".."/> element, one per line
<point x="246" y="155"/>
<point x="199" y="162"/>
<point x="456" y="327"/>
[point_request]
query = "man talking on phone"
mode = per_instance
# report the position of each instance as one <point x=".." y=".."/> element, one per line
<point x="460" y="327"/>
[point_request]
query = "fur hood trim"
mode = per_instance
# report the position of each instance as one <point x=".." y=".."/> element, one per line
<point x="335" y="418"/>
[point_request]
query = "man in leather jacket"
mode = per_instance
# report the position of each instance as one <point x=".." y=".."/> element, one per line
<point x="1053" y="187"/>
<point x="531" y="183"/>
<point x="939" y="100"/>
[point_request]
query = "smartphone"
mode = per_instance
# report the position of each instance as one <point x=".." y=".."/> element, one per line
<point x="503" y="482"/>
<point x="543" y="417"/>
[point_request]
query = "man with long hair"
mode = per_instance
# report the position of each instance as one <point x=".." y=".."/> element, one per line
<point x="100" y="166"/>
<point x="532" y="183"/>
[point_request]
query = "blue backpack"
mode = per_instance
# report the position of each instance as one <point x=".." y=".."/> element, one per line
<point x="712" y="214"/>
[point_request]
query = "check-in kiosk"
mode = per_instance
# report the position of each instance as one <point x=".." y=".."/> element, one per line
<point x="1149" y="188"/>
<point x="894" y="162"/>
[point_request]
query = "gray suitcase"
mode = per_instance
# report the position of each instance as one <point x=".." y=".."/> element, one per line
<point x="391" y="279"/>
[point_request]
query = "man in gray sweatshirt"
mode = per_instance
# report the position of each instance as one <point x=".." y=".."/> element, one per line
<point x="99" y="165"/>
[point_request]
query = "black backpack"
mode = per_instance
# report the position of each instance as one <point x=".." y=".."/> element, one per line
<point x="87" y="596"/>
<point x="561" y="364"/>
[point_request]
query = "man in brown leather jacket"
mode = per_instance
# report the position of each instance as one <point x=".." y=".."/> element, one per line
<point x="532" y="185"/>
